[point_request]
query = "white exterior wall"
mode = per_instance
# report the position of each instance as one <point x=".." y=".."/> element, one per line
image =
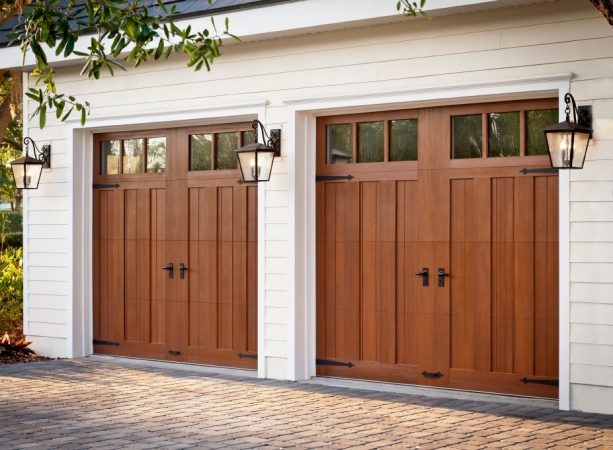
<point x="499" y="45"/>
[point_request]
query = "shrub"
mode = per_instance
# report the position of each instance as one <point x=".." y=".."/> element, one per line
<point x="11" y="229"/>
<point x="11" y="289"/>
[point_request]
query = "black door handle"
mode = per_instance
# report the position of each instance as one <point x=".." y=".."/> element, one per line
<point x="425" y="273"/>
<point x="171" y="270"/>
<point x="441" y="276"/>
<point x="182" y="269"/>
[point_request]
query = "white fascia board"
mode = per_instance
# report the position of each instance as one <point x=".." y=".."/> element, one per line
<point x="288" y="19"/>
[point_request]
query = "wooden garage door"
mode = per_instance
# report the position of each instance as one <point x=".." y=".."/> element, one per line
<point x="439" y="189"/>
<point x="171" y="197"/>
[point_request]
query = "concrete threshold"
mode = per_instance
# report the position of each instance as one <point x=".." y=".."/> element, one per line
<point x="127" y="361"/>
<point x="455" y="394"/>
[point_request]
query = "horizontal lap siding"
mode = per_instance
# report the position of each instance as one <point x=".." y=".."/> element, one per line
<point x="514" y="43"/>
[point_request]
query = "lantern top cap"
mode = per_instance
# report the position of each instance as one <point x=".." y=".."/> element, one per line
<point x="27" y="159"/>
<point x="568" y="126"/>
<point x="255" y="147"/>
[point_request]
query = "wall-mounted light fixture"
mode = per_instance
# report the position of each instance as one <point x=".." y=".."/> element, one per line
<point x="27" y="170"/>
<point x="568" y="141"/>
<point x="256" y="159"/>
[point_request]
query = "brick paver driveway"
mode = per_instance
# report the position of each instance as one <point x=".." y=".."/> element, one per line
<point x="97" y="403"/>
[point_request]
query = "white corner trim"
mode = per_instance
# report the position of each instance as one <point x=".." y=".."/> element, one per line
<point x="25" y="218"/>
<point x="302" y="113"/>
<point x="564" y="273"/>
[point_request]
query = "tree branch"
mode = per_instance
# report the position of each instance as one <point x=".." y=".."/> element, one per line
<point x="606" y="8"/>
<point x="13" y="143"/>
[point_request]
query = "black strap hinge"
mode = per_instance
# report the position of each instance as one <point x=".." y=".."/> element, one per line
<point x="175" y="352"/>
<point x="103" y="342"/>
<point x="248" y="355"/>
<point x="105" y="186"/>
<point x="333" y="177"/>
<point x="332" y="362"/>
<point x="427" y="374"/>
<point x="546" y="382"/>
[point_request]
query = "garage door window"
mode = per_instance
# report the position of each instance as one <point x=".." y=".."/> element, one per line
<point x="133" y="156"/>
<point x="215" y="151"/>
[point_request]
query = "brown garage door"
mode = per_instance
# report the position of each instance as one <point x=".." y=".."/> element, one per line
<point x="167" y="198"/>
<point x="439" y="190"/>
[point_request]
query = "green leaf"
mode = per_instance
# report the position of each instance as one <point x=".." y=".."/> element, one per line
<point x="69" y="46"/>
<point x="59" y="109"/>
<point x="33" y="95"/>
<point x="67" y="114"/>
<point x="42" y="116"/>
<point x="83" y="116"/>
<point x="159" y="50"/>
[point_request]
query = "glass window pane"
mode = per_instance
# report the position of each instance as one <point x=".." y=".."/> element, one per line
<point x="200" y="148"/>
<point x="156" y="155"/>
<point x="340" y="143"/>
<point x="133" y="152"/>
<point x="403" y="140"/>
<point x="535" y="122"/>
<point x="225" y="156"/>
<point x="370" y="142"/>
<point x="109" y="157"/>
<point x="467" y="136"/>
<point x="248" y="137"/>
<point x="504" y="134"/>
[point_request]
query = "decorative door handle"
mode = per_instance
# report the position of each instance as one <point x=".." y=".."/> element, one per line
<point x="182" y="269"/>
<point x="441" y="276"/>
<point x="425" y="273"/>
<point x="171" y="270"/>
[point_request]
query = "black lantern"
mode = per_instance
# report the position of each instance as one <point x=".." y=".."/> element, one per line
<point x="27" y="170"/>
<point x="568" y="141"/>
<point x="256" y="159"/>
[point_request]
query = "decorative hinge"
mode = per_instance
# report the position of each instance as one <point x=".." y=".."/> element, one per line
<point x="175" y="352"/>
<point x="526" y="171"/>
<point x="332" y="362"/>
<point x="427" y="374"/>
<point x="333" y="177"/>
<point x="102" y="342"/>
<point x="248" y="355"/>
<point x="105" y="186"/>
<point x="546" y="382"/>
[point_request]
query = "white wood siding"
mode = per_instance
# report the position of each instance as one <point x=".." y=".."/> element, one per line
<point x="513" y="43"/>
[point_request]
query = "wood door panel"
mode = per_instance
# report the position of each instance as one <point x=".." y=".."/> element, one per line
<point x="494" y="230"/>
<point x="203" y="220"/>
<point x="363" y="260"/>
<point x="514" y="328"/>
<point x="222" y="277"/>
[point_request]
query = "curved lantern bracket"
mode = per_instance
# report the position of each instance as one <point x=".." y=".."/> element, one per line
<point x="273" y="140"/>
<point x="43" y="155"/>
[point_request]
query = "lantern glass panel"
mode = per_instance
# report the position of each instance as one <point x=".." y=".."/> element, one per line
<point x="580" y="149"/>
<point x="31" y="177"/>
<point x="248" y="164"/>
<point x="559" y="148"/>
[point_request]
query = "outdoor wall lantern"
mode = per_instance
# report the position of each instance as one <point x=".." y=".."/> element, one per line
<point x="568" y="141"/>
<point x="27" y="170"/>
<point x="256" y="159"/>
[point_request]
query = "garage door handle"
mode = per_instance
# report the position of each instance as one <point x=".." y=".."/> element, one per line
<point x="441" y="276"/>
<point x="182" y="269"/>
<point x="425" y="273"/>
<point x="171" y="270"/>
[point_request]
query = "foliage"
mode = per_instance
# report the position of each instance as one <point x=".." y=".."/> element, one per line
<point x="11" y="229"/>
<point x="412" y="8"/>
<point x="126" y="30"/>
<point x="10" y="148"/>
<point x="11" y="289"/>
